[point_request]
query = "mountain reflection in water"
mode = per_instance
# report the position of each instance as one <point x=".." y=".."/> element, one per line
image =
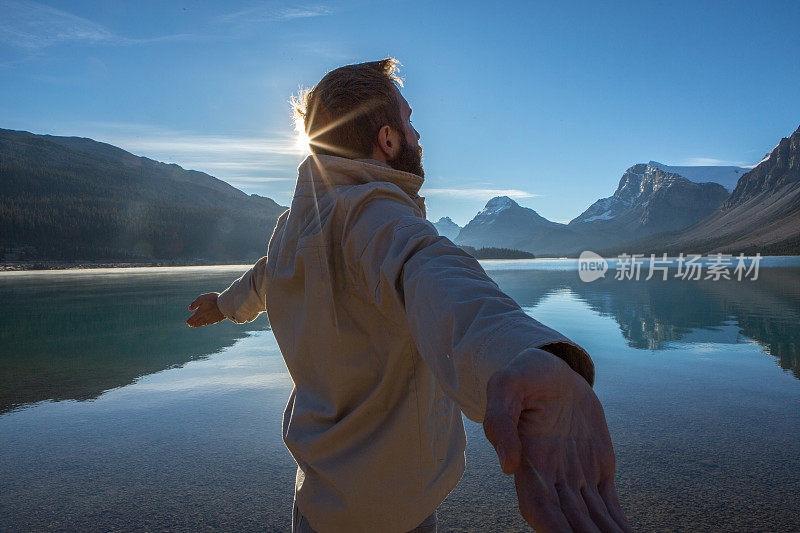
<point x="655" y="314"/>
<point x="73" y="335"/>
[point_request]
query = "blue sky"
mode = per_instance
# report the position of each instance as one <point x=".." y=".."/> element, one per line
<point x="547" y="102"/>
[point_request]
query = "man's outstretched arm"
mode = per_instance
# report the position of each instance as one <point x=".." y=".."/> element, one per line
<point x="529" y="384"/>
<point x="241" y="302"/>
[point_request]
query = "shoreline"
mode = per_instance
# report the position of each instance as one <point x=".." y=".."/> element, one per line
<point x="56" y="266"/>
<point x="50" y="266"/>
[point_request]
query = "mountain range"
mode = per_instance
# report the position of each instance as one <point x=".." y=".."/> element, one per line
<point x="70" y="198"/>
<point x="661" y="208"/>
<point x="761" y="214"/>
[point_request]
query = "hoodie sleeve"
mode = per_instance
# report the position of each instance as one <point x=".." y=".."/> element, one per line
<point x="463" y="325"/>
<point x="245" y="299"/>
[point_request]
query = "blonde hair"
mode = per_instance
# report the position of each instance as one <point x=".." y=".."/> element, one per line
<point x="341" y="115"/>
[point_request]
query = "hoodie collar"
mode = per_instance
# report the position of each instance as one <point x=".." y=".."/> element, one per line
<point x="328" y="170"/>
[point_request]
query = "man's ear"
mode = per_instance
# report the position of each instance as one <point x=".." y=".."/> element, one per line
<point x="388" y="142"/>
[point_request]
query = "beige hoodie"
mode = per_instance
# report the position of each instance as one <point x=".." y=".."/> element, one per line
<point x="389" y="332"/>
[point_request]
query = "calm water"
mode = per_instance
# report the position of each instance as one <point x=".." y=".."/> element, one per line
<point x="115" y="415"/>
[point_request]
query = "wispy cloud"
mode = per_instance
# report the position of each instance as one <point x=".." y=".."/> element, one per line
<point x="241" y="168"/>
<point x="216" y="145"/>
<point x="478" y="193"/>
<point x="245" y="160"/>
<point x="271" y="12"/>
<point x="33" y="26"/>
<point x="257" y="179"/>
<point x="232" y="158"/>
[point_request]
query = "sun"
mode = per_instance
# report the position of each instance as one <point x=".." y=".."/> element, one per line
<point x="301" y="139"/>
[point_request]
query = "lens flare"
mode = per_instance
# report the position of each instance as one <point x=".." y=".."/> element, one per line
<point x="301" y="139"/>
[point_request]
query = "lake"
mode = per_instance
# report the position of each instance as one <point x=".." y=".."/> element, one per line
<point x="115" y="415"/>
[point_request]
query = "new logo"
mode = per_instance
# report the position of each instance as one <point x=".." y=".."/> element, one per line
<point x="591" y="266"/>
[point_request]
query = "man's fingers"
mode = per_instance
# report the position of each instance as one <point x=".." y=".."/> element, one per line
<point x="207" y="297"/>
<point x="538" y="502"/>
<point x="546" y="518"/>
<point x="580" y="502"/>
<point x="574" y="509"/>
<point x="598" y="511"/>
<point x="194" y="321"/>
<point x="204" y="317"/>
<point x="198" y="319"/>
<point x="609" y="494"/>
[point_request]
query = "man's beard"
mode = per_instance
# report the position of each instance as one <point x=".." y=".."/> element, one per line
<point x="408" y="160"/>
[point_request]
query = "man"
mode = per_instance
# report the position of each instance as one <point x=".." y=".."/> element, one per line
<point x="390" y="331"/>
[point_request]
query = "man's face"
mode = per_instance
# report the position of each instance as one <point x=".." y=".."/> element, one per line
<point x="409" y="159"/>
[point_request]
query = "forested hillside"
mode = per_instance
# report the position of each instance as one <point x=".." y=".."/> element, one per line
<point x="67" y="198"/>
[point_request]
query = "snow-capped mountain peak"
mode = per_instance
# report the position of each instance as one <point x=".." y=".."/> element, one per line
<point x="505" y="223"/>
<point x="447" y="228"/>
<point x="498" y="204"/>
<point x="727" y="176"/>
<point x="650" y="197"/>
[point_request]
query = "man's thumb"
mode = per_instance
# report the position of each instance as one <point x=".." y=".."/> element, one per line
<point x="506" y="443"/>
<point x="500" y="426"/>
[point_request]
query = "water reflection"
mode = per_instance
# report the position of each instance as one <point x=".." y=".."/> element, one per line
<point x="75" y="335"/>
<point x="654" y="314"/>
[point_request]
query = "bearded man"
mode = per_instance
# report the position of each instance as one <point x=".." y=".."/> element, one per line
<point x="390" y="332"/>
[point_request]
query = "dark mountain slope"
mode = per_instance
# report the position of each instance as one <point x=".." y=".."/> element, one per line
<point x="762" y="213"/>
<point x="649" y="200"/>
<point x="763" y="209"/>
<point x="504" y="223"/>
<point x="67" y="198"/>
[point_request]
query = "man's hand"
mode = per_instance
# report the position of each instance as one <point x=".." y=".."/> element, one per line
<point x="205" y="310"/>
<point x="548" y="429"/>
